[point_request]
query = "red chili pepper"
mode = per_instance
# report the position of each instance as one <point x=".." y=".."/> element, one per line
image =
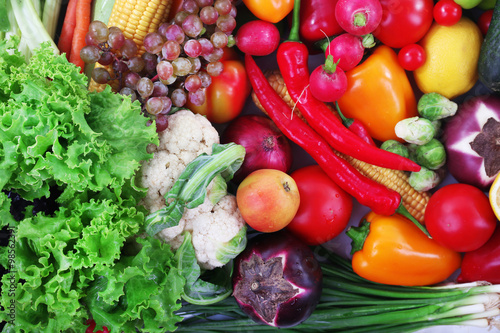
<point x="368" y="192"/>
<point x="355" y="126"/>
<point x="293" y="63"/>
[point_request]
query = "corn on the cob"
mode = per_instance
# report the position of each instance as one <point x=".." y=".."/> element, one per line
<point x="136" y="18"/>
<point x="397" y="180"/>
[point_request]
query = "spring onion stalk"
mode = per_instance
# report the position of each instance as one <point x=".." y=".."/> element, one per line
<point x="351" y="303"/>
<point x="29" y="23"/>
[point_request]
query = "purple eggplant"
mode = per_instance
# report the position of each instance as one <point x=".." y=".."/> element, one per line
<point x="472" y="141"/>
<point x="277" y="280"/>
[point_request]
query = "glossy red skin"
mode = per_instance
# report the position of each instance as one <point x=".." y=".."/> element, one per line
<point x="346" y="9"/>
<point x="258" y="38"/>
<point x="300" y="268"/>
<point x="327" y="86"/>
<point x="266" y="147"/>
<point x="447" y="12"/>
<point x="317" y="20"/>
<point x="226" y="95"/>
<point x="411" y="57"/>
<point x="484" y="21"/>
<point x="404" y="21"/>
<point x="459" y="217"/>
<point x="325" y="208"/>
<point x="482" y="264"/>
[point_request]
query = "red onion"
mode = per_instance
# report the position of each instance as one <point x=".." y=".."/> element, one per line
<point x="277" y="280"/>
<point x="472" y="141"/>
<point x="266" y="147"/>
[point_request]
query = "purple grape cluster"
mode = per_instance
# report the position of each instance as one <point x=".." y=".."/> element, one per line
<point x="179" y="61"/>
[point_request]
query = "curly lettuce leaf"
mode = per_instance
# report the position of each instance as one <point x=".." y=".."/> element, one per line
<point x="54" y="132"/>
<point x="140" y="292"/>
<point x="58" y="257"/>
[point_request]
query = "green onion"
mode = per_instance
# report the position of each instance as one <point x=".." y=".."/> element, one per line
<point x="351" y="303"/>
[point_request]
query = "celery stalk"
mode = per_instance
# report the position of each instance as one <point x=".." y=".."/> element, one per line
<point x="50" y="16"/>
<point x="101" y="10"/>
<point x="30" y="25"/>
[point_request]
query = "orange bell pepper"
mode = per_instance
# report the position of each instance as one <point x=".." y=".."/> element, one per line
<point x="269" y="10"/>
<point x="379" y="94"/>
<point x="392" y="250"/>
<point x="227" y="94"/>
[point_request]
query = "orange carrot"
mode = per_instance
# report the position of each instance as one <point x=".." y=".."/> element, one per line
<point x="83" y="10"/>
<point x="68" y="29"/>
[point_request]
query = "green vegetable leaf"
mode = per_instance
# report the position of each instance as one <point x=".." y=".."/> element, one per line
<point x="190" y="189"/>
<point x="206" y="287"/>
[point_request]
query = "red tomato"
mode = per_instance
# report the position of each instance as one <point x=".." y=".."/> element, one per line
<point x="325" y="208"/>
<point x="447" y="12"/>
<point x="484" y="21"/>
<point x="226" y="95"/>
<point x="459" y="216"/>
<point x="411" y="56"/>
<point x="404" y="21"/>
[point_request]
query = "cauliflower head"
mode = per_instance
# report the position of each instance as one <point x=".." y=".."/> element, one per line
<point x="218" y="229"/>
<point x="187" y="136"/>
<point x="218" y="232"/>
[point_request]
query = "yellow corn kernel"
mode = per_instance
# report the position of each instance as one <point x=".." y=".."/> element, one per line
<point x="136" y="18"/>
<point x="397" y="180"/>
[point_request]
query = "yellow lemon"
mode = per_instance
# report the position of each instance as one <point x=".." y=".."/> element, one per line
<point x="452" y="55"/>
<point x="495" y="196"/>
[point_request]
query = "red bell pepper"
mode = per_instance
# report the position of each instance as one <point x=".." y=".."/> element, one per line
<point x="226" y="96"/>
<point x="482" y="264"/>
<point x="317" y="20"/>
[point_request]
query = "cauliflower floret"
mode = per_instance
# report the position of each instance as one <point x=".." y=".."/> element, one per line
<point x="218" y="231"/>
<point x="187" y="136"/>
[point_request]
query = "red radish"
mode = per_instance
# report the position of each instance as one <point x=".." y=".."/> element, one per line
<point x="359" y="17"/>
<point x="349" y="49"/>
<point x="257" y="38"/>
<point x="328" y="82"/>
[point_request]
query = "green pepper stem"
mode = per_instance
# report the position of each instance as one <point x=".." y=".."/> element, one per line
<point x="294" y="30"/>
<point x="346" y="121"/>
<point x="403" y="211"/>
<point x="358" y="236"/>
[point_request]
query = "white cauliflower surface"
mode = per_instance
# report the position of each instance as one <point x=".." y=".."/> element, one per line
<point x="187" y="136"/>
<point x="212" y="226"/>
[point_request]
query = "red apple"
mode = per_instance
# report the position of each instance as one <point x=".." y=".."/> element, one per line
<point x="268" y="199"/>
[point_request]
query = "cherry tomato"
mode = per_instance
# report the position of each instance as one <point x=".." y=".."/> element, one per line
<point x="411" y="57"/>
<point x="459" y="216"/>
<point x="404" y="21"/>
<point x="484" y="21"/>
<point x="324" y="210"/>
<point x="447" y="12"/>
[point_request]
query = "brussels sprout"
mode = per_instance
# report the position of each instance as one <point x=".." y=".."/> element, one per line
<point x="432" y="155"/>
<point x="424" y="179"/>
<point x="395" y="147"/>
<point x="415" y="130"/>
<point x="434" y="106"/>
